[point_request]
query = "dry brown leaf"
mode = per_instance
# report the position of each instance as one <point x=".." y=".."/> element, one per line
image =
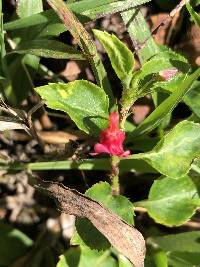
<point x="125" y="238"/>
<point x="46" y="122"/>
<point x="59" y="137"/>
<point x="71" y="71"/>
<point x="8" y="123"/>
<point x="160" y="37"/>
<point x="51" y="137"/>
<point x="190" y="42"/>
<point x="140" y="112"/>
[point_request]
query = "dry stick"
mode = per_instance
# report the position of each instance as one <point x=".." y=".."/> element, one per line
<point x="125" y="238"/>
<point x="4" y="107"/>
<point x="26" y="119"/>
<point x="32" y="86"/>
<point x="31" y="125"/>
<point x="164" y="22"/>
<point x="17" y="116"/>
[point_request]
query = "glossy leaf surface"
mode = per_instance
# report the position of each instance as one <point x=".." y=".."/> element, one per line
<point x="172" y="201"/>
<point x="84" y="102"/>
<point x="174" y="154"/>
<point x="121" y="57"/>
<point x="49" y="49"/>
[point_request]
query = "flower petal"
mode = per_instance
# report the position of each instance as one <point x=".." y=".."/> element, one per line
<point x="125" y="154"/>
<point x="111" y="139"/>
<point x="99" y="148"/>
<point x="168" y="74"/>
<point x="114" y="121"/>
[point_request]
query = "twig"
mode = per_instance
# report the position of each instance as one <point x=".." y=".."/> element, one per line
<point x="163" y="23"/>
<point x="31" y="125"/>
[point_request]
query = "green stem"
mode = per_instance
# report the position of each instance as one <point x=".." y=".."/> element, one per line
<point x="115" y="175"/>
<point x="126" y="164"/>
<point x="125" y="112"/>
<point x="127" y="100"/>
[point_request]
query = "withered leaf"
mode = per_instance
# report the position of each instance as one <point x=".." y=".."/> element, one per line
<point x="125" y="238"/>
<point x="9" y="123"/>
<point x="18" y="113"/>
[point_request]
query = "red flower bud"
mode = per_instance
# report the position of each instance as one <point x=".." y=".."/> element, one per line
<point x="168" y="74"/>
<point x="111" y="139"/>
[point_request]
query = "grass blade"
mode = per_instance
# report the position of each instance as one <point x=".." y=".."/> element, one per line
<point x="88" y="164"/>
<point x="82" y="9"/>
<point x="140" y="33"/>
<point x="153" y="120"/>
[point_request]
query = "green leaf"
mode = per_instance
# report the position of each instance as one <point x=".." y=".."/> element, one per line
<point x="149" y="262"/>
<point x="13" y="244"/>
<point x="84" y="257"/>
<point x="160" y="258"/>
<point x="182" y="242"/>
<point x="49" y="49"/>
<point x="184" y="259"/>
<point x="192" y="98"/>
<point x="182" y="249"/>
<point x="146" y="80"/>
<point x="87" y="234"/>
<point x="84" y="102"/>
<point x="102" y="192"/>
<point x="165" y="60"/>
<point x="111" y="8"/>
<point x="121" y="57"/>
<point x="45" y="30"/>
<point x="195" y="2"/>
<point x="172" y="201"/>
<point x="132" y="165"/>
<point x="156" y="117"/>
<point x="123" y="261"/>
<point x="196" y="165"/>
<point x="168" y="86"/>
<point x="195" y="16"/>
<point x="21" y="69"/>
<point x="85" y="11"/>
<point x="26" y="8"/>
<point x="128" y="126"/>
<point x="180" y="143"/>
<point x="140" y="34"/>
<point x="144" y="143"/>
<point x="174" y="154"/>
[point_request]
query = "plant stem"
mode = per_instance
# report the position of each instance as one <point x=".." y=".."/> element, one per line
<point x="124" y="115"/>
<point x="126" y="164"/>
<point x="115" y="175"/>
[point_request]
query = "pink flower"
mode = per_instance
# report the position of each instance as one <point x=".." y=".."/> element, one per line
<point x="111" y="139"/>
<point x="168" y="74"/>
